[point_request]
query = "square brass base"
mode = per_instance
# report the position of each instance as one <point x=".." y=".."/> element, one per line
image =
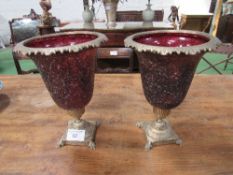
<point x="90" y="130"/>
<point x="159" y="133"/>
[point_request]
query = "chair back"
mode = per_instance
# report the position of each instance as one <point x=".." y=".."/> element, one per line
<point x="23" y="28"/>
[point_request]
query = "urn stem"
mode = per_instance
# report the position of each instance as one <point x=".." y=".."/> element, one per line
<point x="160" y="113"/>
<point x="77" y="114"/>
<point x="159" y="131"/>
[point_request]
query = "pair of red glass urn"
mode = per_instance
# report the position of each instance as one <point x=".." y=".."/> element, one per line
<point x="167" y="60"/>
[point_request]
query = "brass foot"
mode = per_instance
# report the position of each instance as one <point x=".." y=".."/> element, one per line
<point x="80" y="132"/>
<point x="158" y="133"/>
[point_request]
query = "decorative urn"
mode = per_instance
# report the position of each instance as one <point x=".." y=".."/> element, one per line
<point x="167" y="60"/>
<point x="66" y="62"/>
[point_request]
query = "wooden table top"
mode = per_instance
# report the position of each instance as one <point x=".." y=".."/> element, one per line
<point x="31" y="125"/>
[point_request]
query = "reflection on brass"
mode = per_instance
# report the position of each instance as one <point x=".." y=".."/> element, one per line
<point x="80" y="124"/>
<point x="159" y="131"/>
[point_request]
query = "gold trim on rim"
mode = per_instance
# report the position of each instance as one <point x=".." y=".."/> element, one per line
<point x="189" y="50"/>
<point x="21" y="48"/>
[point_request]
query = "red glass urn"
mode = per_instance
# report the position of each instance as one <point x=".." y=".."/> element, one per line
<point x="167" y="60"/>
<point x="66" y="62"/>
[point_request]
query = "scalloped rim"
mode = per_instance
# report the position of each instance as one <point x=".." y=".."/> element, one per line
<point x="189" y="50"/>
<point x="21" y="48"/>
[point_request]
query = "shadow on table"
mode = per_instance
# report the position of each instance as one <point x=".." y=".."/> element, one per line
<point x="4" y="102"/>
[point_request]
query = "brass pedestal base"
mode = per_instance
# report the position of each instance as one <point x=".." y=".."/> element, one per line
<point x="158" y="132"/>
<point x="87" y="127"/>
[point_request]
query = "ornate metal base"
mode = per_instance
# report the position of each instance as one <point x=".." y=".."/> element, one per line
<point x="159" y="132"/>
<point x="80" y="132"/>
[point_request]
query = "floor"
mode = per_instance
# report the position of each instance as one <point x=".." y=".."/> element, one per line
<point x="7" y="64"/>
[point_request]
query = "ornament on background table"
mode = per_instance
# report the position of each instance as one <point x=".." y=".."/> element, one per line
<point x="110" y="7"/>
<point x="148" y="14"/>
<point x="227" y="7"/>
<point x="87" y="15"/>
<point x="174" y="16"/>
<point x="47" y="18"/>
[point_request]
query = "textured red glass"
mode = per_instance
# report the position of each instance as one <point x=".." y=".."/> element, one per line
<point x="59" y="41"/>
<point x="69" y="77"/>
<point x="171" y="39"/>
<point x="167" y="78"/>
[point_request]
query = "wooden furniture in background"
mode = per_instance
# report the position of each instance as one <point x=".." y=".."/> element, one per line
<point x="137" y="15"/>
<point x="196" y="22"/>
<point x="225" y="29"/>
<point x="115" y="60"/>
<point x="31" y="125"/>
<point x="112" y="50"/>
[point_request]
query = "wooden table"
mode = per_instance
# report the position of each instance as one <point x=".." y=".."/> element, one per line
<point x="31" y="124"/>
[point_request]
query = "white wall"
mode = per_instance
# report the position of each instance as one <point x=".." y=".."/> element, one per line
<point x="185" y="6"/>
<point x="71" y="10"/>
<point x="63" y="9"/>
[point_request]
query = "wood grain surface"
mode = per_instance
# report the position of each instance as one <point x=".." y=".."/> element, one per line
<point x="31" y="125"/>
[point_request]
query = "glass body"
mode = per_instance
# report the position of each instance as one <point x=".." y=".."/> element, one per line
<point x="166" y="78"/>
<point x="69" y="77"/>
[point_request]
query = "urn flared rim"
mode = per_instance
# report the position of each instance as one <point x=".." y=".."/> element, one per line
<point x="25" y="50"/>
<point x="211" y="44"/>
